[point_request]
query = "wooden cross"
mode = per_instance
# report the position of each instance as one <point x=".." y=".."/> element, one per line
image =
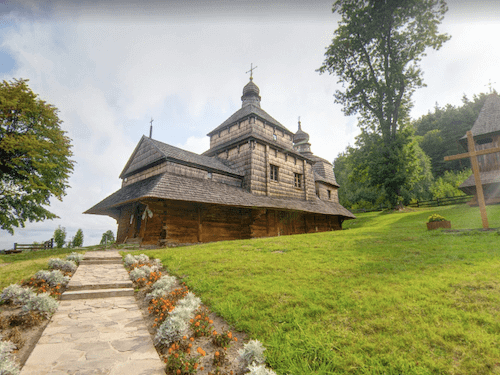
<point x="473" y="154"/>
<point x="151" y="128"/>
<point x="251" y="70"/>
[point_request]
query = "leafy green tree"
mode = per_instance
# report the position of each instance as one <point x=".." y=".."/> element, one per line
<point x="60" y="236"/>
<point x="447" y="185"/>
<point x="34" y="156"/>
<point x="441" y="129"/>
<point x="375" y="55"/>
<point x="107" y="238"/>
<point x="78" y="239"/>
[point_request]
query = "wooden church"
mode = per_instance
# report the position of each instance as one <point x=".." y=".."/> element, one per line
<point x="486" y="133"/>
<point x="258" y="179"/>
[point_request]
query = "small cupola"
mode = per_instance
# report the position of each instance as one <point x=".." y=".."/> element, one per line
<point x="250" y="94"/>
<point x="301" y="141"/>
<point x="301" y="136"/>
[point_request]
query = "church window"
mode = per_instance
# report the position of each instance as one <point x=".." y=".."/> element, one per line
<point x="286" y="157"/>
<point x="329" y="194"/>
<point x="275" y="137"/>
<point x="209" y="175"/>
<point x="273" y="172"/>
<point x="298" y="180"/>
<point x="275" y="153"/>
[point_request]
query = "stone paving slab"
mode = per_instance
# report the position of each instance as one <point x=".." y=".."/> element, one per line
<point x="95" y="336"/>
<point x="108" y="254"/>
<point x="96" y="274"/>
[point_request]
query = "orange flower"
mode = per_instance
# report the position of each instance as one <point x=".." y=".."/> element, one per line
<point x="184" y="337"/>
<point x="176" y="355"/>
<point x="211" y="322"/>
<point x="191" y="338"/>
<point x="197" y="324"/>
<point x="178" y="371"/>
<point x="235" y="339"/>
<point x="214" y="332"/>
<point x="195" y="366"/>
<point x="217" y="354"/>
<point x="190" y="345"/>
<point x="230" y="335"/>
<point x="188" y="351"/>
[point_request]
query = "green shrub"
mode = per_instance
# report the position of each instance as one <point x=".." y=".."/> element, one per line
<point x="435" y="217"/>
<point x="108" y="238"/>
<point x="60" y="236"/>
<point x="78" y="239"/>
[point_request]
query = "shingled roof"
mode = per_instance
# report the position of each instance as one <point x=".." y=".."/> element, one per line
<point x="488" y="121"/>
<point x="150" y="151"/>
<point x="487" y="178"/>
<point x="180" y="188"/>
<point x="246" y="111"/>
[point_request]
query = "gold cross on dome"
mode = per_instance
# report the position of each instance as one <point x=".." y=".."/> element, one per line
<point x="251" y="71"/>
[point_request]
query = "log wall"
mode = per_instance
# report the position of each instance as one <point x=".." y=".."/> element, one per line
<point x="253" y="125"/>
<point x="257" y="179"/>
<point x="489" y="162"/>
<point x="322" y="192"/>
<point x="176" y="222"/>
<point x="181" y="170"/>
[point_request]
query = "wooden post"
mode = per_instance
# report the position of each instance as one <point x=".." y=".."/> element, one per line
<point x="473" y="154"/>
<point x="267" y="170"/>
<point x="267" y="222"/>
<point x="200" y="227"/>
<point x="304" y="169"/>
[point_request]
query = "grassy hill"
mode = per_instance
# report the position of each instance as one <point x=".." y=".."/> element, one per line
<point x="385" y="296"/>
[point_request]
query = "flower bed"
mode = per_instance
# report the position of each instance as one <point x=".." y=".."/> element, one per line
<point x="26" y="309"/>
<point x="187" y="335"/>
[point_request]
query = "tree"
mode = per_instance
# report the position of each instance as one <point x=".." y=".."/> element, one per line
<point x="60" y="236"/>
<point x="375" y="54"/>
<point x="34" y="156"/>
<point x="107" y="237"/>
<point x="78" y="239"/>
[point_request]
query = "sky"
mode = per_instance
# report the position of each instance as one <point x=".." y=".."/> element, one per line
<point x="112" y="66"/>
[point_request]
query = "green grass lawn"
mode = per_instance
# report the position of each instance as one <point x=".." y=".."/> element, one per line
<point x="385" y="296"/>
<point x="17" y="267"/>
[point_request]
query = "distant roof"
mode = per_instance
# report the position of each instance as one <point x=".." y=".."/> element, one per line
<point x="180" y="188"/>
<point x="487" y="177"/>
<point x="488" y="121"/>
<point x="150" y="151"/>
<point x="245" y="112"/>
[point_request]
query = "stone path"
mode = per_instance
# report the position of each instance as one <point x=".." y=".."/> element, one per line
<point x="98" y="327"/>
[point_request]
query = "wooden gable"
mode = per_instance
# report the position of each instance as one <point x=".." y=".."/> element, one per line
<point x="145" y="155"/>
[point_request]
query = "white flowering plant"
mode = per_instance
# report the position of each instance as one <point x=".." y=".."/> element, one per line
<point x="15" y="294"/>
<point x="253" y="351"/>
<point x="8" y="365"/>
<point x="63" y="265"/>
<point x="75" y="257"/>
<point x="53" y="277"/>
<point x="42" y="303"/>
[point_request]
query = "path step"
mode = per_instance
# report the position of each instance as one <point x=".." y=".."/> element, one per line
<point x="109" y="285"/>
<point x="97" y="293"/>
<point x="101" y="261"/>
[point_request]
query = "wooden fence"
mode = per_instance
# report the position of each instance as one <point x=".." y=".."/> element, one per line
<point x="430" y="203"/>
